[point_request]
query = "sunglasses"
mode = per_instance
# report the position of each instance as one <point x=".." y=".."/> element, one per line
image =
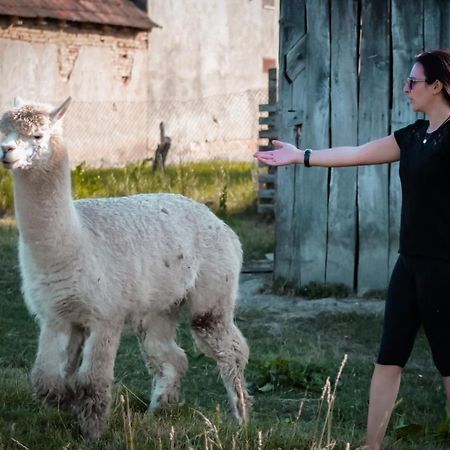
<point x="411" y="82"/>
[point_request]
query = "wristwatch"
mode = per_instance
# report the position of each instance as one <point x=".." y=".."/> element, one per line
<point x="306" y="155"/>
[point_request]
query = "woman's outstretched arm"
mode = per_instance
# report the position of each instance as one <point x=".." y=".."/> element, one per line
<point x="384" y="150"/>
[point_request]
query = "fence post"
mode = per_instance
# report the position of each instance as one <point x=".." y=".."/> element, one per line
<point x="267" y="174"/>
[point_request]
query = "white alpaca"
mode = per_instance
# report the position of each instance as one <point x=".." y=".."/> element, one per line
<point x="91" y="268"/>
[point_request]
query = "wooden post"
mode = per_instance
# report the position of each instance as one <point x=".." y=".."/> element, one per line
<point x="373" y="123"/>
<point x="266" y="174"/>
<point x="162" y="150"/>
<point x="340" y="266"/>
<point x="311" y="185"/>
<point x="290" y="97"/>
<point x="407" y="41"/>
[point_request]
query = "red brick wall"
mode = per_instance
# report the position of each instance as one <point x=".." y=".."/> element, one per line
<point x="70" y="38"/>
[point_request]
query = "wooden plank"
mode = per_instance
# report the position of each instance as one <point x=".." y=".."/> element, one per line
<point x="444" y="41"/>
<point x="341" y="243"/>
<point x="436" y="24"/>
<point x="312" y="184"/>
<point x="265" y="208"/>
<point x="268" y="108"/>
<point x="271" y="121"/>
<point x="373" y="211"/>
<point x="407" y="41"/>
<point x="292" y="24"/>
<point x="432" y="23"/>
<point x="268" y="134"/>
<point x="292" y="117"/>
<point x="266" y="177"/>
<point x="286" y="255"/>
<point x="296" y="59"/>
<point x="266" y="193"/>
<point x="273" y="86"/>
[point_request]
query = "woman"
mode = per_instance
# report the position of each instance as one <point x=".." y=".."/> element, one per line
<point x="419" y="289"/>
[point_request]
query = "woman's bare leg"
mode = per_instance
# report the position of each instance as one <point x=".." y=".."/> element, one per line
<point x="383" y="393"/>
<point x="446" y="381"/>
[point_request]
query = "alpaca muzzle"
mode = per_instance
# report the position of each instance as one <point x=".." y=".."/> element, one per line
<point x="6" y="154"/>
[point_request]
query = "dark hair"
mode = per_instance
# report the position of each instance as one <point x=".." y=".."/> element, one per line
<point x="436" y="65"/>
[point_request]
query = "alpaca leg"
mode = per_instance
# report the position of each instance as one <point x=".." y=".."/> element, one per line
<point x="164" y="359"/>
<point x="218" y="337"/>
<point x="75" y="349"/>
<point x="93" y="381"/>
<point x="49" y="370"/>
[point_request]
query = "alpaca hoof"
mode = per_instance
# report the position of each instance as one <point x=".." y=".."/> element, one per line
<point x="241" y="411"/>
<point x="91" y="409"/>
<point x="163" y="401"/>
<point x="51" y="391"/>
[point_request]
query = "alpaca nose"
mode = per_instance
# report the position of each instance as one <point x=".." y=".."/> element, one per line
<point x="7" y="148"/>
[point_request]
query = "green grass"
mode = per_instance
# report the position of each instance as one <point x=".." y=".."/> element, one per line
<point x="290" y="361"/>
<point x="227" y="187"/>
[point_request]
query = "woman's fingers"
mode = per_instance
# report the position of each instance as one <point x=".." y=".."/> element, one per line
<point x="265" y="155"/>
<point x="277" y="143"/>
<point x="267" y="159"/>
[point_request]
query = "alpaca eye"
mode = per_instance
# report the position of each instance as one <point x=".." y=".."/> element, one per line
<point x="38" y="136"/>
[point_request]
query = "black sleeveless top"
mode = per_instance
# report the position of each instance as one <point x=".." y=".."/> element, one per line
<point x="425" y="180"/>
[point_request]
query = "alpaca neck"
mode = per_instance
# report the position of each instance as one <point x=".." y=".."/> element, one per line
<point x="45" y="213"/>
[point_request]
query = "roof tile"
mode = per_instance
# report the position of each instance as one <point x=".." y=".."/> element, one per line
<point x="104" y="12"/>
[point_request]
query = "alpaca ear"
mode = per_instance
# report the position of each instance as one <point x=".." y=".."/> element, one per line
<point x="18" y="102"/>
<point x="59" y="112"/>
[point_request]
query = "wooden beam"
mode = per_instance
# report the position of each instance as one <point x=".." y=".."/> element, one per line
<point x="268" y="108"/>
<point x="311" y="185"/>
<point x="407" y="27"/>
<point x="267" y="177"/>
<point x="373" y="198"/>
<point x="287" y="246"/>
<point x="341" y="244"/>
<point x="296" y="59"/>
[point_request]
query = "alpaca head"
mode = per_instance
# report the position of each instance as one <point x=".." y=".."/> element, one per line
<point x="27" y="130"/>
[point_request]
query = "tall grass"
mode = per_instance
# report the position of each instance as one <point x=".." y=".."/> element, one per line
<point x="6" y="193"/>
<point x="225" y="186"/>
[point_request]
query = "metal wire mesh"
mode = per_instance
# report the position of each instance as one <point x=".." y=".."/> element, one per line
<point x="115" y="133"/>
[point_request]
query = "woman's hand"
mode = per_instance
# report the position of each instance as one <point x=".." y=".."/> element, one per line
<point x="283" y="155"/>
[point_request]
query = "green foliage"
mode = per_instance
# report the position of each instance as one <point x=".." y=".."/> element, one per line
<point x="6" y="193"/>
<point x="223" y="186"/>
<point x="312" y="290"/>
<point x="256" y="233"/>
<point x="277" y="371"/>
<point x="376" y="293"/>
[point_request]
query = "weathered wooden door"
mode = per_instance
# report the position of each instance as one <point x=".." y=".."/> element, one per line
<point x="342" y="68"/>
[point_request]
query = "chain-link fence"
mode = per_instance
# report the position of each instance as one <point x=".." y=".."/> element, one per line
<point x="115" y="133"/>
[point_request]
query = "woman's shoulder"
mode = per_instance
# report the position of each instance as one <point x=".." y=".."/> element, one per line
<point x="403" y="135"/>
<point x="419" y="124"/>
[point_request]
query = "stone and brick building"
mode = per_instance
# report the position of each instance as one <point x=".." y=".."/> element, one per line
<point x="94" y="51"/>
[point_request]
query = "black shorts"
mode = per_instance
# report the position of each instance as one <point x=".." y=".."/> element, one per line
<point x="418" y="294"/>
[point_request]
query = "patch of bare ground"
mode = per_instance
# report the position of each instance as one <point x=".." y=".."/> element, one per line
<point x="254" y="294"/>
